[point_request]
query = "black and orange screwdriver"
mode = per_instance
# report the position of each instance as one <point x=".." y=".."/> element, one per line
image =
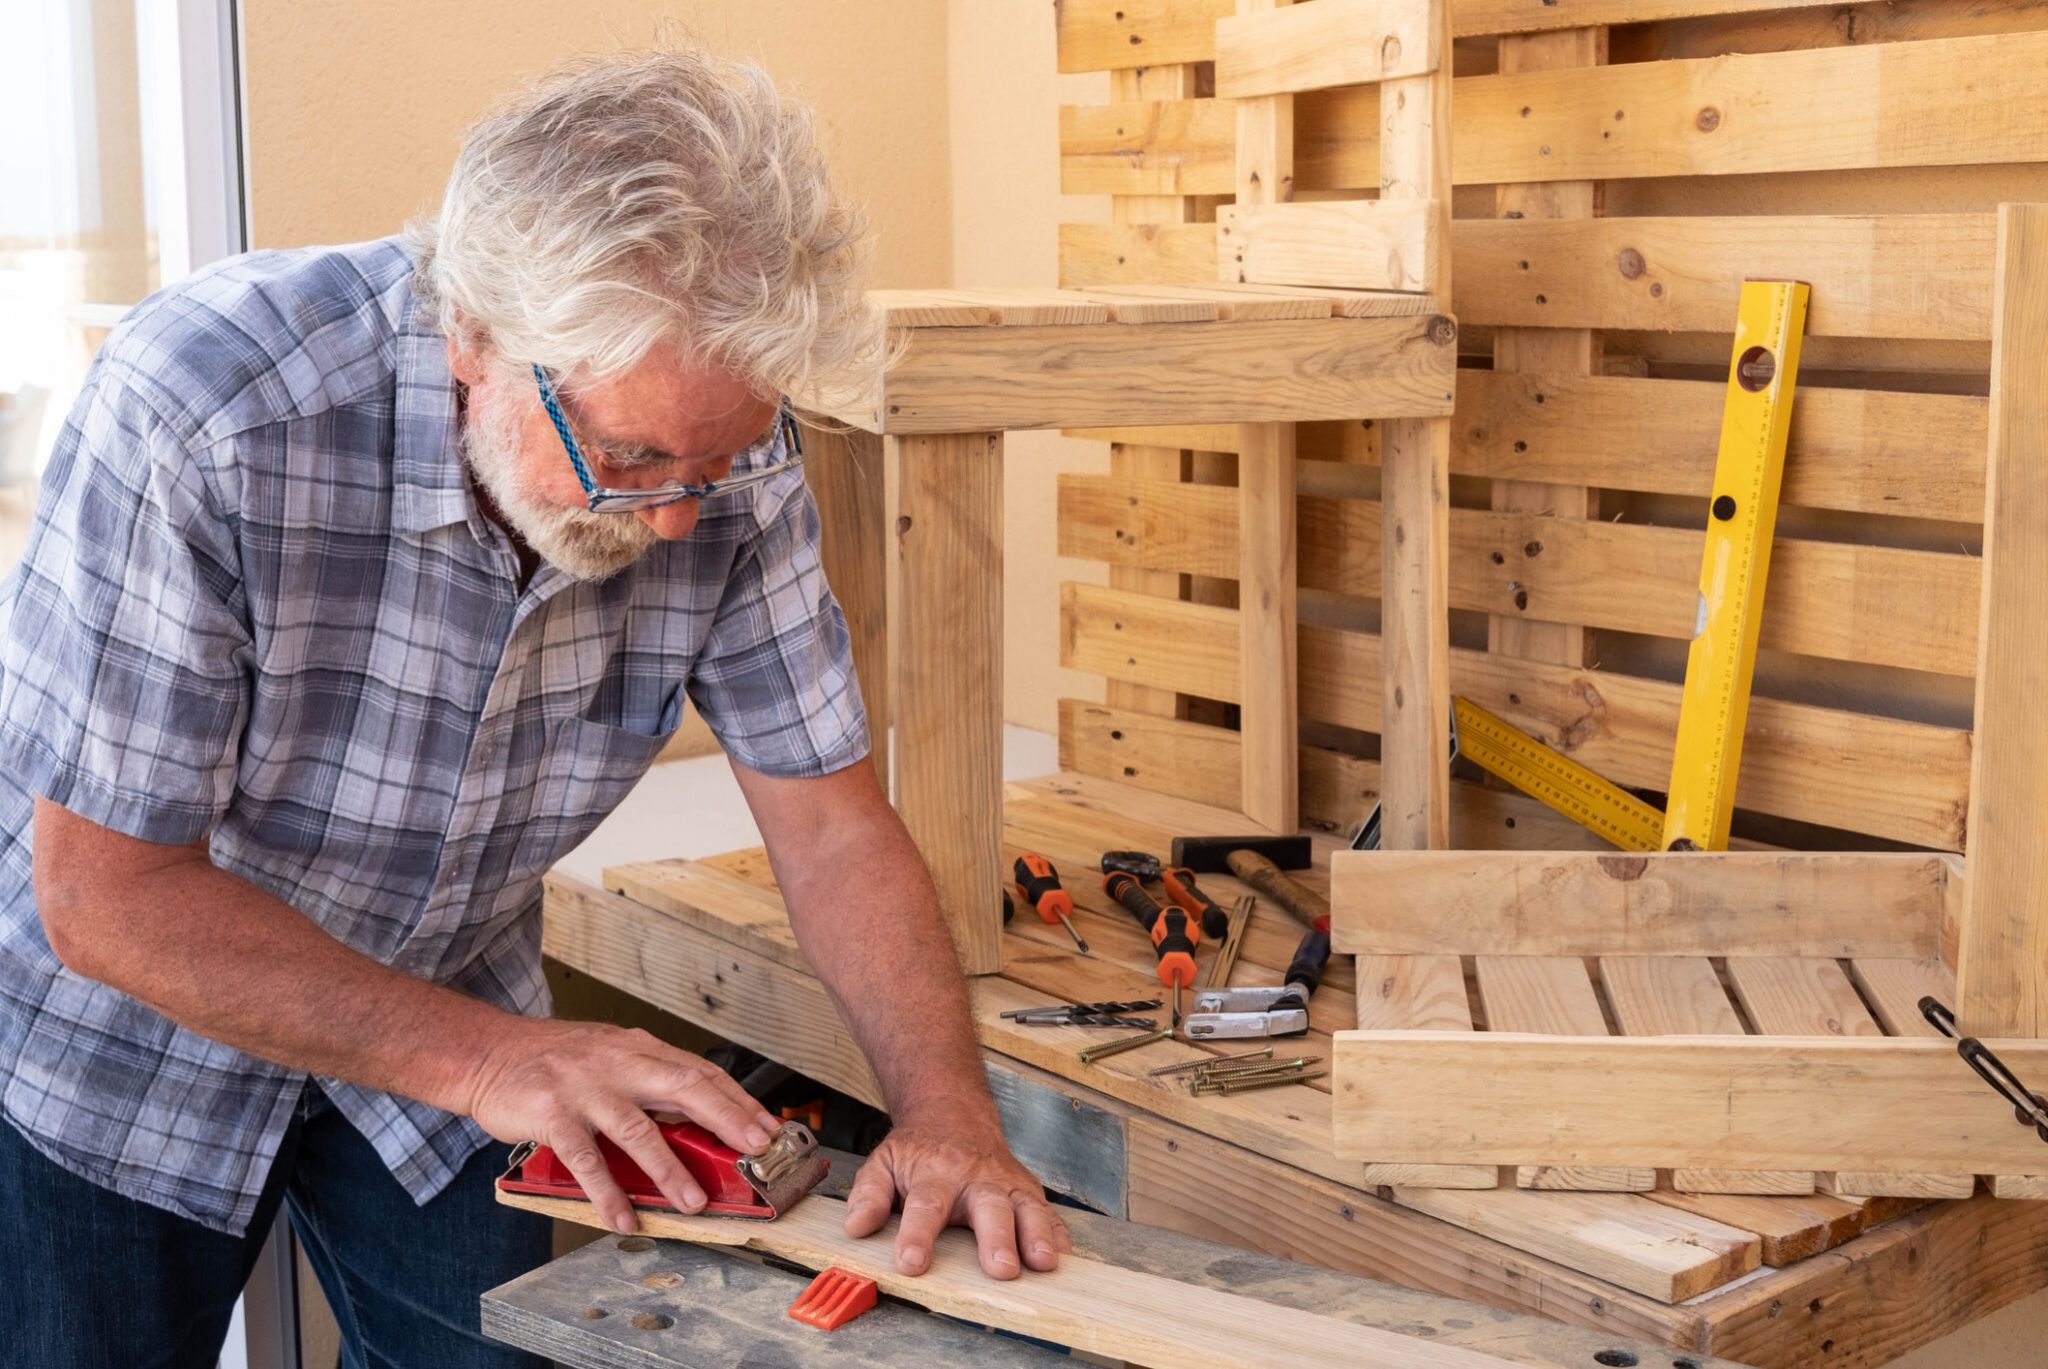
<point x="1039" y="883"/>
<point x="1188" y="896"/>
<point x="1173" y="938"/>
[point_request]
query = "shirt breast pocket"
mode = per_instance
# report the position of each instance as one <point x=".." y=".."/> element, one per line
<point x="590" y="768"/>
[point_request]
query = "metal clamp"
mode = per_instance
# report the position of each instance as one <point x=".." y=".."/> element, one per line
<point x="2029" y="1108"/>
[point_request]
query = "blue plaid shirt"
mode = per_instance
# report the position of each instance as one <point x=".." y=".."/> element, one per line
<point x="260" y="606"/>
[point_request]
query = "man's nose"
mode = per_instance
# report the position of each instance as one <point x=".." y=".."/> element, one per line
<point x="672" y="521"/>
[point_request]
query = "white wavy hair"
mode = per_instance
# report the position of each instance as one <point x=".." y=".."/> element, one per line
<point x="638" y="199"/>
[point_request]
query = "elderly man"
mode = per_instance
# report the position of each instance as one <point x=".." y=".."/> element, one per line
<point x="365" y="581"/>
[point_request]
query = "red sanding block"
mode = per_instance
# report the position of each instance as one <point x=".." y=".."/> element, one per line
<point x="760" y="1186"/>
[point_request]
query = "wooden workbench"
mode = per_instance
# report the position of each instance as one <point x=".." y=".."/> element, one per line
<point x="666" y="1304"/>
<point x="1769" y="1281"/>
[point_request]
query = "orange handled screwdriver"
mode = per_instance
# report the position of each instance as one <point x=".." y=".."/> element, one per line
<point x="1188" y="896"/>
<point x="1168" y="927"/>
<point x="1039" y="883"/>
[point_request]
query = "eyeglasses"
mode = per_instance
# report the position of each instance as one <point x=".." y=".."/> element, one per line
<point x="602" y="500"/>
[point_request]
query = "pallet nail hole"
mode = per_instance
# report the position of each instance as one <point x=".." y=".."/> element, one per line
<point x="652" y="1321"/>
<point x="1685" y="1364"/>
<point x="1615" y="1357"/>
<point x="633" y="1245"/>
<point x="594" y="1314"/>
<point x="1116" y="734"/>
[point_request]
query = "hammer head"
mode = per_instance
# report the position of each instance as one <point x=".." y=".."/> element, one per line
<point x="1210" y="855"/>
<point x="1142" y="866"/>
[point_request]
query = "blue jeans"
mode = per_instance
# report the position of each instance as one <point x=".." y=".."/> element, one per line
<point x="92" y="1280"/>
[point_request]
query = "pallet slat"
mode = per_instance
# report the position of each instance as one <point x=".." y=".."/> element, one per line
<point x="1909" y="104"/>
<point x="1801" y="762"/>
<point x="1841" y="601"/>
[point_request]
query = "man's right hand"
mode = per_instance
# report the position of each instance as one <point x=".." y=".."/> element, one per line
<point x="565" y="1083"/>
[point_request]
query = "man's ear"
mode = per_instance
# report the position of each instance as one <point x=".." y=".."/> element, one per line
<point x="466" y="362"/>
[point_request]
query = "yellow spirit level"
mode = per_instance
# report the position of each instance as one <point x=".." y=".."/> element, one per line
<point x="1755" y="421"/>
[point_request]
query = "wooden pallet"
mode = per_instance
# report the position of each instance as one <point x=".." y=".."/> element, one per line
<point x="709" y="941"/>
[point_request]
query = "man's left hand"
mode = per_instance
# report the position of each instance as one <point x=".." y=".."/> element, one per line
<point x="947" y="1178"/>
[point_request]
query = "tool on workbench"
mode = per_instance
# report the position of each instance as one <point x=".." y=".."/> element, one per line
<point x="834" y="1298"/>
<point x="1113" y="1005"/>
<point x="1211" y="855"/>
<point x="1129" y="1043"/>
<point x="1039" y="884"/>
<point x="1189" y="898"/>
<point x="1091" y="1019"/>
<point x="1228" y="1014"/>
<point x="1756" y="422"/>
<point x="760" y="1186"/>
<point x="1212" y="1062"/>
<point x="1141" y="865"/>
<point x="1225" y="959"/>
<point x="1509" y="754"/>
<point x="2029" y="1107"/>
<point x="1173" y="936"/>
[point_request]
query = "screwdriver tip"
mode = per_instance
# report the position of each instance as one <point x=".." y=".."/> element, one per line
<point x="1082" y="944"/>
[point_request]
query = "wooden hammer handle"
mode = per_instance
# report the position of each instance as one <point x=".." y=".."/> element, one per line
<point x="1269" y="879"/>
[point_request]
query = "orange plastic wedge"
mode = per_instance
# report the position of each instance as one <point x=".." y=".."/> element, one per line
<point x="834" y="1298"/>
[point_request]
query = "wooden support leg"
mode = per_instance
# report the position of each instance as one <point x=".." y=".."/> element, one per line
<point x="1270" y="725"/>
<point x="945" y="650"/>
<point x="845" y="472"/>
<point x="2002" y="966"/>
<point x="1415" y="768"/>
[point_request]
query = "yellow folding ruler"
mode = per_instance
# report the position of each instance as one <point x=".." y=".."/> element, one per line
<point x="1505" y="751"/>
<point x="1755" y="421"/>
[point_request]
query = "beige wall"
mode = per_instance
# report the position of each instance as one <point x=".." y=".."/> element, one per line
<point x="355" y="105"/>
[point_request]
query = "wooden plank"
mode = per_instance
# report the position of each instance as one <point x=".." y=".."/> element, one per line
<point x="969" y="379"/>
<point x="1914" y="610"/>
<point x="1625" y="1239"/>
<point x="1682" y="996"/>
<point x="1804" y="762"/>
<point x="1200" y="762"/>
<point x="1415" y="164"/>
<point x="2002" y="970"/>
<point x="1270" y="717"/>
<point x="1892" y="1290"/>
<point x="1907" y="104"/>
<point x="1885" y="105"/>
<point x="1101" y="35"/>
<point x="1806" y="996"/>
<point x="1794" y="1103"/>
<point x="1420" y="992"/>
<point x="1790" y="1229"/>
<point x="1893" y="988"/>
<point x="1234" y="303"/>
<point x="1509" y="903"/>
<point x="1861" y="451"/>
<point x="1104" y="35"/>
<point x="946" y="679"/>
<point x="1352" y="244"/>
<point x="845" y="471"/>
<point x="1898" y="275"/>
<point x="1330" y="43"/>
<point x="1549" y="994"/>
<point x="1094" y="254"/>
<point x="928" y="309"/>
<point x="1088" y="1304"/>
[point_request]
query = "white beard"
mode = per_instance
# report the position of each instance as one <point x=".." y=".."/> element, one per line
<point x="589" y="546"/>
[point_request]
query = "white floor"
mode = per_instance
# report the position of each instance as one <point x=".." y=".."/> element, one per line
<point x="693" y="808"/>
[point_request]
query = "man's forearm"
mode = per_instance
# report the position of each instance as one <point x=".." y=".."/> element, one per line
<point x="869" y="921"/>
<point x="222" y="958"/>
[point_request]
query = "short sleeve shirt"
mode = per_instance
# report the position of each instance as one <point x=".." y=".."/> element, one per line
<point x="261" y="607"/>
